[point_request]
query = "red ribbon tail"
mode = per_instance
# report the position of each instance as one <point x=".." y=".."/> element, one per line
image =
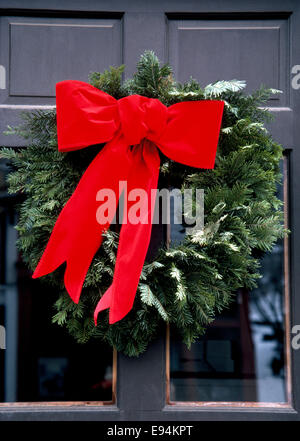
<point x="134" y="237"/>
<point x="62" y="247"/>
<point x="104" y="303"/>
<point x="77" y="234"/>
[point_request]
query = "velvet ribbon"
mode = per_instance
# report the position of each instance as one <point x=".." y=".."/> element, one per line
<point x="133" y="128"/>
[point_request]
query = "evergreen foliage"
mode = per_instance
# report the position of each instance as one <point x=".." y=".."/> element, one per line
<point x="187" y="284"/>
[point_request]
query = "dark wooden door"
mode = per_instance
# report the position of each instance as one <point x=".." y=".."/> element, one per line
<point x="43" y="42"/>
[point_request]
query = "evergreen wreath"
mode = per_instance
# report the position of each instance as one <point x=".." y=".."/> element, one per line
<point x="186" y="284"/>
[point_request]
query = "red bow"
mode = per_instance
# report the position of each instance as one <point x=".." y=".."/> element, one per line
<point x="186" y="132"/>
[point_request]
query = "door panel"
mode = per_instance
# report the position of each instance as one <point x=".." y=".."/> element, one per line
<point x="38" y="52"/>
<point x="251" y="50"/>
<point x="70" y="47"/>
<point x="255" y="50"/>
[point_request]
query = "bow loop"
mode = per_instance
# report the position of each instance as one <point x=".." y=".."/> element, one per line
<point x="90" y="116"/>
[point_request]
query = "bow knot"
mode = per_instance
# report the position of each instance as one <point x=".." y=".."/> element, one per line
<point x="186" y="132"/>
<point x="142" y="117"/>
